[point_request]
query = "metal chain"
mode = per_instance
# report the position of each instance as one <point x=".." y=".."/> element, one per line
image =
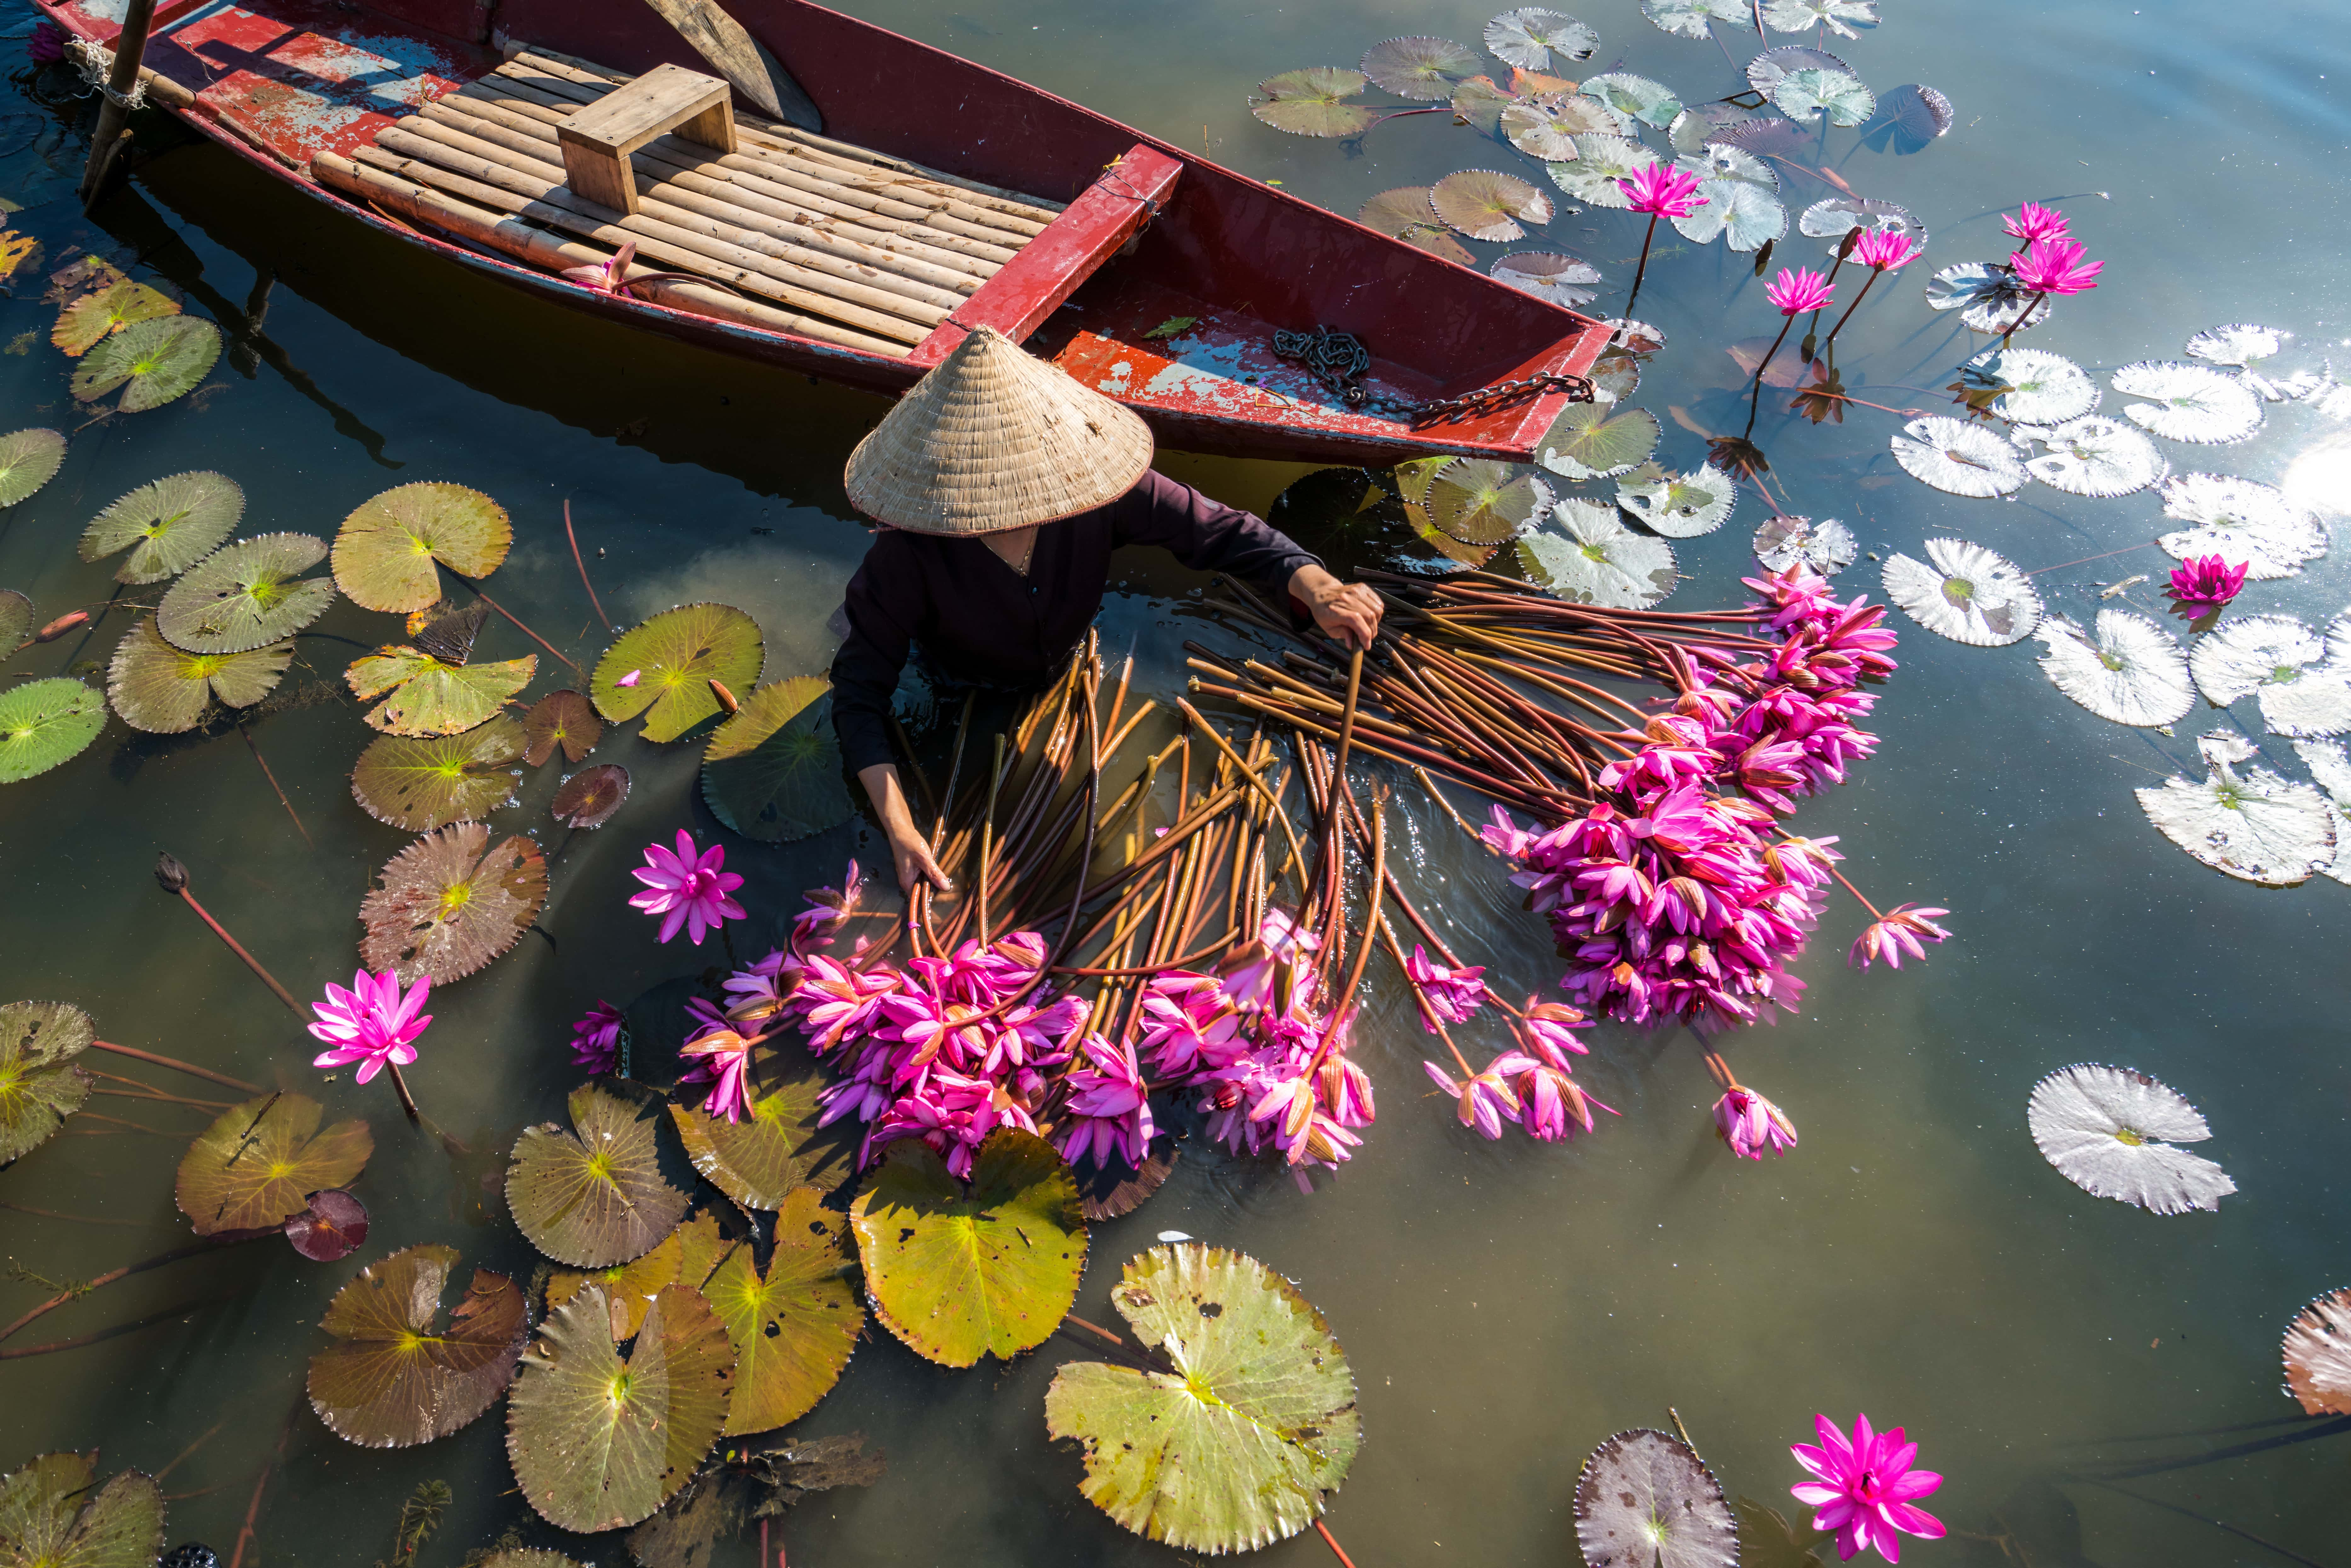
<point x="1337" y="359"/>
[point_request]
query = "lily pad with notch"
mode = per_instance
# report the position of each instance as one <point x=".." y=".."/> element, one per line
<point x="1652" y="103"/>
<point x="759" y="1162"/>
<point x="2094" y="456"/>
<point x="53" y="1512"/>
<point x="1958" y="459"/>
<point x="41" y="1084"/>
<point x="85" y="321"/>
<point x="1566" y="281"/>
<point x="1482" y="502"/>
<point x="2256" y="826"/>
<point x="332" y="1226"/>
<point x="1479" y="104"/>
<point x="152" y="361"/>
<point x="1547" y="127"/>
<point x="1312" y="103"/>
<point x="2028" y="386"/>
<point x="256" y="1166"/>
<point x="168" y="525"/>
<point x="675" y="657"/>
<point x="246" y="595"/>
<point x="1597" y="441"/>
<point x="1699" y="124"/>
<point x="1423" y="68"/>
<point x="1403" y="213"/>
<point x="2243" y="520"/>
<point x="2189" y="403"/>
<point x="1969" y="593"/>
<point x="431" y="696"/>
<point x="1909" y="119"/>
<point x="46" y="722"/>
<point x="2243" y="347"/>
<point x="589" y="797"/>
<point x="1591" y="558"/>
<point x="1839" y="17"/>
<point x="1741" y="208"/>
<point x="16" y="621"/>
<point x="960" y="1271"/>
<point x="1645" y="1499"/>
<point x="1835" y="216"/>
<point x="165" y="691"/>
<point x="2317" y="1351"/>
<point x="1529" y="36"/>
<point x="772" y="771"/>
<point x="1600" y="162"/>
<point x="2302" y="681"/>
<point x="28" y="460"/>
<point x="450" y="903"/>
<point x="1487" y="206"/>
<point x="424" y="784"/>
<point x="2129" y="671"/>
<point x="2113" y="1133"/>
<point x="1987" y="297"/>
<point x="1826" y="546"/>
<point x="1679" y="505"/>
<point x="396" y="1374"/>
<point x="1695" y="18"/>
<point x="794" y="1326"/>
<point x="1243" y="1442"/>
<point x="1839" y="96"/>
<point x="594" y="1195"/>
<point x="563" y="718"/>
<point x="385" y="552"/>
<point x="684" y="1257"/>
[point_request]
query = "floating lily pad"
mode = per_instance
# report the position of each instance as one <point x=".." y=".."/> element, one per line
<point x="1478" y="104"/>
<point x="1403" y="213"/>
<point x="2096" y="457"/>
<point x="589" y="797"/>
<point x="760" y="1160"/>
<point x="28" y="460"/>
<point x="430" y="696"/>
<point x="1652" y="103"/>
<point x="1740" y="209"/>
<point x="2244" y="521"/>
<point x="2330" y="769"/>
<point x="676" y="656"/>
<point x="49" y="1514"/>
<point x="1986" y="297"/>
<point x="2244" y="346"/>
<point x="2128" y="672"/>
<point x="1243" y="1442"/>
<point x="396" y="1375"/>
<point x="595" y="1197"/>
<point x="598" y="1442"/>
<point x="1596" y="441"/>
<point x="1593" y="559"/>
<point x="1691" y="18"/>
<point x="16" y="621"/>
<point x="961" y="1272"/>
<point x="2317" y="1351"/>
<point x="246" y="595"/>
<point x="330" y="1228"/>
<point x="2040" y="388"/>
<point x="1701" y="124"/>
<point x="421" y="785"/>
<point x="256" y="1166"/>
<point x="44" y="723"/>
<point x="385" y="550"/>
<point x="2256" y="827"/>
<point x="152" y="361"/>
<point x="2302" y="681"/>
<point x="1529" y="36"/>
<point x="1805" y="83"/>
<point x="1599" y="163"/>
<point x="1969" y="594"/>
<point x="793" y="1328"/>
<point x="1486" y="205"/>
<point x="1615" y="374"/>
<point x="2189" y="403"/>
<point x="1679" y="505"/>
<point x="563" y="718"/>
<point x="81" y="324"/>
<point x="1909" y="119"/>
<point x="1958" y="459"/>
<point x="1547" y="127"/>
<point x="1312" y="103"/>
<point x="1827" y="546"/>
<point x="160" y="689"/>
<point x="40" y="1083"/>
<point x="1566" y="281"/>
<point x="1423" y="68"/>
<point x="772" y="771"/>
<point x="168" y="526"/>
<point x="2110" y="1131"/>
<point x="1839" y="17"/>
<point x="1482" y="502"/>
<point x="684" y="1257"/>
<point x="1644" y="1498"/>
<point x="449" y="903"/>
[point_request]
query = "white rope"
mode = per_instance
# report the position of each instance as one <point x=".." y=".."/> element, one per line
<point x="96" y="63"/>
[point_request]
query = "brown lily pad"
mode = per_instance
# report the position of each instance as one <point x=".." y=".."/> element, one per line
<point x="589" y="797"/>
<point x="394" y="1376"/>
<point x="256" y="1166"/>
<point x="563" y="718"/>
<point x="450" y="903"/>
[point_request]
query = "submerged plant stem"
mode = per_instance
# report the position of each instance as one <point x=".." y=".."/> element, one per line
<point x="1755" y="392"/>
<point x="282" y="801"/>
<point x="1874" y="274"/>
<point x="84" y="1289"/>
<point x="190" y="1068"/>
<point x="1332" y="1541"/>
<point x="581" y="563"/>
<point x="524" y="630"/>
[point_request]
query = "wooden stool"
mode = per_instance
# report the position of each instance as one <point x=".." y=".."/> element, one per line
<point x="597" y="140"/>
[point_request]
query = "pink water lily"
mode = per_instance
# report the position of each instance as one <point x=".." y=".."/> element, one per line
<point x="596" y="1038"/>
<point x="1865" y="1489"/>
<point x="1452" y="994"/>
<point x="373" y="1023"/>
<point x="1484" y="1102"/>
<point x="1109" y="1107"/>
<point x="722" y="1060"/>
<point x="2055" y="267"/>
<point x="1752" y="1126"/>
<point x="1898" y="932"/>
<point x="687" y="888"/>
<point x="2200" y="584"/>
<point x="1886" y="250"/>
<point x="1662" y="189"/>
<point x="611" y="275"/>
<point x="1796" y="290"/>
<point x="2032" y="221"/>
<point x="630" y="679"/>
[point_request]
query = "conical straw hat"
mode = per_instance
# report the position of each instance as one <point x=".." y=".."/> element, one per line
<point x="991" y="439"/>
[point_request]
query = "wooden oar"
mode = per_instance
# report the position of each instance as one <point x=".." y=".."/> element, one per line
<point x="741" y="59"/>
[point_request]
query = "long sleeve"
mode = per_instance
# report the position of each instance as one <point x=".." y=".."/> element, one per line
<point x="1206" y="535"/>
<point x="883" y="610"/>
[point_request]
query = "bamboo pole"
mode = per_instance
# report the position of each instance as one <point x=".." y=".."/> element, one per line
<point x="537" y="247"/>
<point x="113" y="132"/>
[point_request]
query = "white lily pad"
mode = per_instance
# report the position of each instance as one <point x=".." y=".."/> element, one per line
<point x="2095" y="456"/>
<point x="2242" y="520"/>
<point x="1702" y="123"/>
<point x="1645" y="1500"/>
<point x="2257" y="827"/>
<point x="1839" y="17"/>
<point x="2112" y="1132"/>
<point x="1741" y="208"/>
<point x="2130" y="671"/>
<point x="1591" y="558"/>
<point x="1826" y="546"/>
<point x="1986" y="297"/>
<point x="1566" y="281"/>
<point x="1597" y="441"/>
<point x="1958" y="459"/>
<point x="1529" y="36"/>
<point x="2242" y="346"/>
<point x="2317" y="1351"/>
<point x="1652" y="103"/>
<point x="2302" y="680"/>
<point x="2189" y="403"/>
<point x="2042" y="387"/>
<point x="2330" y="769"/>
<point x="1968" y="593"/>
<point x="1679" y="505"/>
<point x="1546" y="125"/>
<point x="1833" y="217"/>
<point x="1690" y="18"/>
<point x="1600" y="162"/>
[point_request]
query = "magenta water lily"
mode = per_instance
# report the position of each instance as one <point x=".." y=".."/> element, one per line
<point x="2202" y="584"/>
<point x="374" y="1024"/>
<point x="1905" y="928"/>
<point x="1751" y="1125"/>
<point x="2034" y="222"/>
<point x="689" y="888"/>
<point x="1882" y="251"/>
<point x="1864" y="1489"/>
<point x="1660" y="191"/>
<point x="1795" y="291"/>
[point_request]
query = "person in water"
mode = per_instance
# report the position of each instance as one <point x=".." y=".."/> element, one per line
<point x="1002" y="486"/>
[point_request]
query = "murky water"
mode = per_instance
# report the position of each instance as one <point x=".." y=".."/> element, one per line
<point x="1505" y="1306"/>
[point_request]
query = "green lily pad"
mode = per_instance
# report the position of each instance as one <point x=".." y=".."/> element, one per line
<point x="384" y="554"/>
<point x="85" y="321"/>
<point x="961" y="1272"/>
<point x="152" y="361"/>
<point x="41" y="1083"/>
<point x="1243" y="1443"/>
<point x="394" y="1377"/>
<point x="421" y="785"/>
<point x="1312" y="103"/>
<point x="1601" y="162"/>
<point x="256" y="1166"/>
<point x="760" y="1162"/>
<point x="794" y="1327"/>
<point x="1482" y="502"/>
<point x="430" y="696"/>
<point x="28" y="460"/>
<point x="676" y="656"/>
<point x="44" y="723"/>
<point x="1651" y="103"/>
<point x="163" y="691"/>
<point x="598" y="1442"/>
<point x="593" y="1197"/>
<point x="450" y="904"/>
<point x="245" y="594"/>
<point x="772" y="771"/>
<point x="173" y="523"/>
<point x="1420" y="68"/>
<point x="1679" y="505"/>
<point x="684" y="1257"/>
<point x="1594" y="441"/>
<point x="49" y="1515"/>
<point x="16" y="621"/>
<point x="563" y="718"/>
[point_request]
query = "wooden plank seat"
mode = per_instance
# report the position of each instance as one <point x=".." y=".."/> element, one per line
<point x="596" y="141"/>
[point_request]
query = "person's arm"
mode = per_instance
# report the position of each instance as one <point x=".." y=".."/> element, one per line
<point x="882" y="609"/>
<point x="908" y="848"/>
<point x="1209" y="536"/>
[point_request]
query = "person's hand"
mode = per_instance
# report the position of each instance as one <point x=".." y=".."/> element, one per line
<point x="916" y="865"/>
<point x="1348" y="613"/>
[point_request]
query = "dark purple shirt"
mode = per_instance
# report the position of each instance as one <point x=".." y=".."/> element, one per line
<point x="978" y="620"/>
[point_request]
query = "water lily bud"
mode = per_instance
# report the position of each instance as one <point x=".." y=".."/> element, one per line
<point x="60" y="626"/>
<point x="170" y="874"/>
<point x="725" y="698"/>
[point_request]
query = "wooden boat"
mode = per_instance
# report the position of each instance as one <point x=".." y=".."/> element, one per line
<point x="940" y="196"/>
